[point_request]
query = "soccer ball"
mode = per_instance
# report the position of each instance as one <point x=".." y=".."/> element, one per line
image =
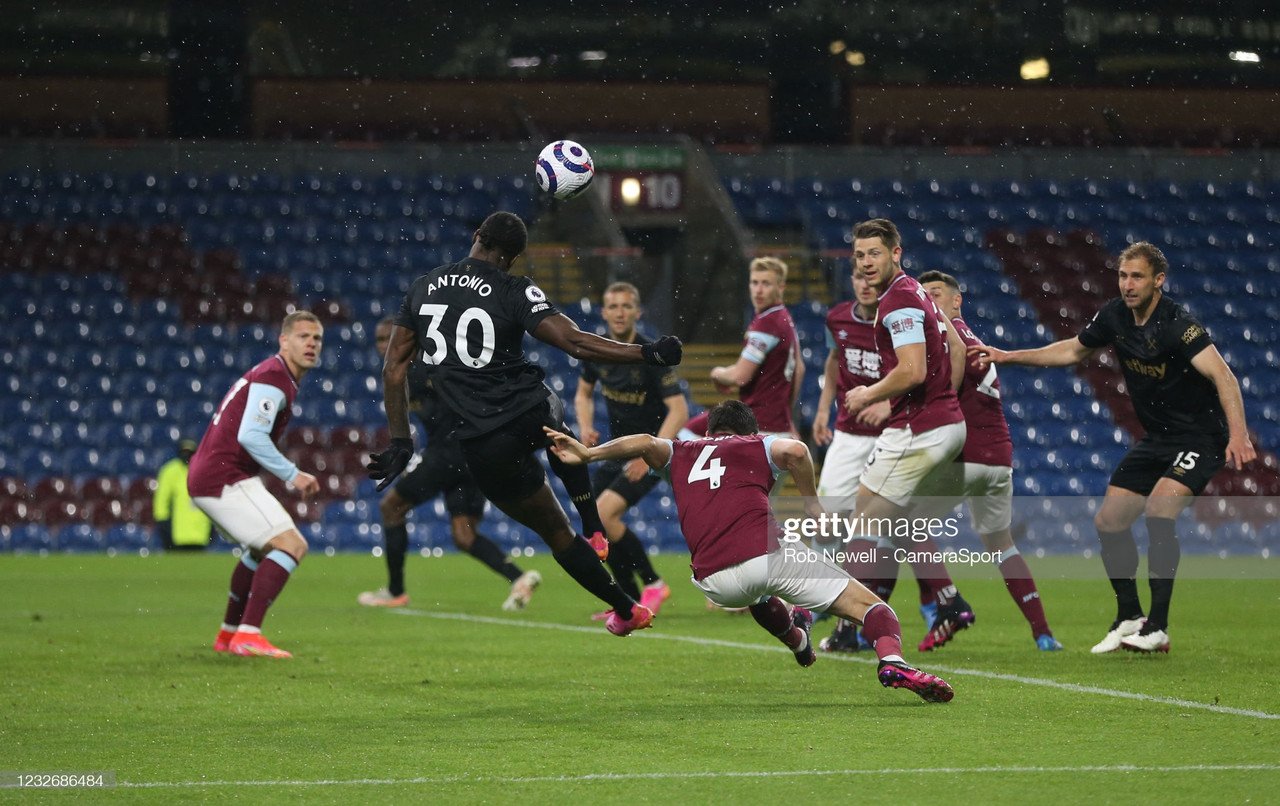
<point x="564" y="169"/>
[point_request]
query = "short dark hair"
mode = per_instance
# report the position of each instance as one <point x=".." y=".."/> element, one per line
<point x="938" y="277"/>
<point x="881" y="228"/>
<point x="732" y="417"/>
<point x="1149" y="252"/>
<point x="504" y="232"/>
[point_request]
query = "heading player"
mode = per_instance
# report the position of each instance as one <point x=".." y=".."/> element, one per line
<point x="1189" y="403"/>
<point x="467" y="320"/>
<point x="640" y="400"/>
<point x="721" y="485"/>
<point x="983" y="472"/>
<point x="223" y="481"/>
<point x="441" y="468"/>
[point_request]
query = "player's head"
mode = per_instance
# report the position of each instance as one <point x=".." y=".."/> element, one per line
<point x="186" y="449"/>
<point x="877" y="251"/>
<point x="768" y="279"/>
<point x="382" y="334"/>
<point x="863" y="293"/>
<point x="732" y="417"/>
<point x="301" y="337"/>
<point x="945" y="291"/>
<point x="621" y="309"/>
<point x="1142" y="271"/>
<point x="500" y="239"/>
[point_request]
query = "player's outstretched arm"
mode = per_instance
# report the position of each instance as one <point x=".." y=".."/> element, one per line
<point x="584" y="406"/>
<point x="735" y="375"/>
<point x="656" y="452"/>
<point x="561" y="331"/>
<point x="1209" y="363"/>
<point x="1059" y="354"/>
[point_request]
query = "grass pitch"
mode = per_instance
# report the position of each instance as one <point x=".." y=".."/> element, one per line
<point x="107" y="666"/>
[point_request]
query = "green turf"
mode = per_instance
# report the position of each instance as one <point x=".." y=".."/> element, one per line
<point x="106" y="666"/>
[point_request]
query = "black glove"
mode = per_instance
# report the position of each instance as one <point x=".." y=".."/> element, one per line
<point x="385" y="466"/>
<point x="665" y="352"/>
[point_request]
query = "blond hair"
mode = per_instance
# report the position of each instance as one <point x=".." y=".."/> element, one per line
<point x="772" y="264"/>
<point x="620" y="287"/>
<point x="298" y="316"/>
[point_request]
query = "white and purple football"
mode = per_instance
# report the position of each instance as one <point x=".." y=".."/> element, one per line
<point x="564" y="169"/>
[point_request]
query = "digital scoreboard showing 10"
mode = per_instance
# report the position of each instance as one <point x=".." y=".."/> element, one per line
<point x="644" y="191"/>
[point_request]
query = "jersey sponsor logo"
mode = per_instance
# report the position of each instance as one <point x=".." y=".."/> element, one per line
<point x="1156" y="371"/>
<point x="902" y="325"/>
<point x="621" y="396"/>
<point x="470" y="281"/>
<point x="862" y="362"/>
<point x="535" y="294"/>
<point x="1192" y="333"/>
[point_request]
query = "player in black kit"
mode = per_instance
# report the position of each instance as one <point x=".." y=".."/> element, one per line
<point x="441" y="468"/>
<point x="640" y="400"/>
<point x="467" y="320"/>
<point x="1189" y="402"/>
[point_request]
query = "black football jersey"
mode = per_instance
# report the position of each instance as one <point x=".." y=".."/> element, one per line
<point x="1169" y="395"/>
<point x="439" y="423"/>
<point x="633" y="394"/>
<point x="469" y="319"/>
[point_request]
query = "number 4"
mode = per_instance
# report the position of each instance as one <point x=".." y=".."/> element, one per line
<point x="702" y="469"/>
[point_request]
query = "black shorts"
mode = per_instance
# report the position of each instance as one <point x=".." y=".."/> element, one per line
<point x="610" y="476"/>
<point x="503" y="462"/>
<point x="1191" y="460"/>
<point x="442" y="469"/>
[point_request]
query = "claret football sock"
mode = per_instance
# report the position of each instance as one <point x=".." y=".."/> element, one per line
<point x="238" y="596"/>
<point x="579" y="561"/>
<point x="1018" y="581"/>
<point x="774" y="615"/>
<point x="880" y="626"/>
<point x="272" y="574"/>
<point x="397" y="538"/>
<point x="1120" y="559"/>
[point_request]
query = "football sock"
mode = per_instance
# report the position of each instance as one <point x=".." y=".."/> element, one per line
<point x="620" y="564"/>
<point x="397" y="539"/>
<point x="1163" y="555"/>
<point x="241" y="582"/>
<point x="484" y="550"/>
<point x="272" y="574"/>
<point x="1120" y="559"/>
<point x="930" y="572"/>
<point x="639" y="557"/>
<point x="880" y="627"/>
<point x="579" y="561"/>
<point x="1018" y="581"/>
<point x="884" y="577"/>
<point x="577" y="482"/>
<point x="926" y="595"/>
<point x="859" y="565"/>
<point x="774" y="615"/>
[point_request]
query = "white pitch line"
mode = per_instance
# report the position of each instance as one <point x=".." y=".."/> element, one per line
<point x="703" y="775"/>
<point x="1075" y="688"/>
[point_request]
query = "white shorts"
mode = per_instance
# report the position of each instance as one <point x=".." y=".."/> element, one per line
<point x="903" y="459"/>
<point x="793" y="572"/>
<point x="247" y="513"/>
<point x="988" y="489"/>
<point x="846" y="459"/>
